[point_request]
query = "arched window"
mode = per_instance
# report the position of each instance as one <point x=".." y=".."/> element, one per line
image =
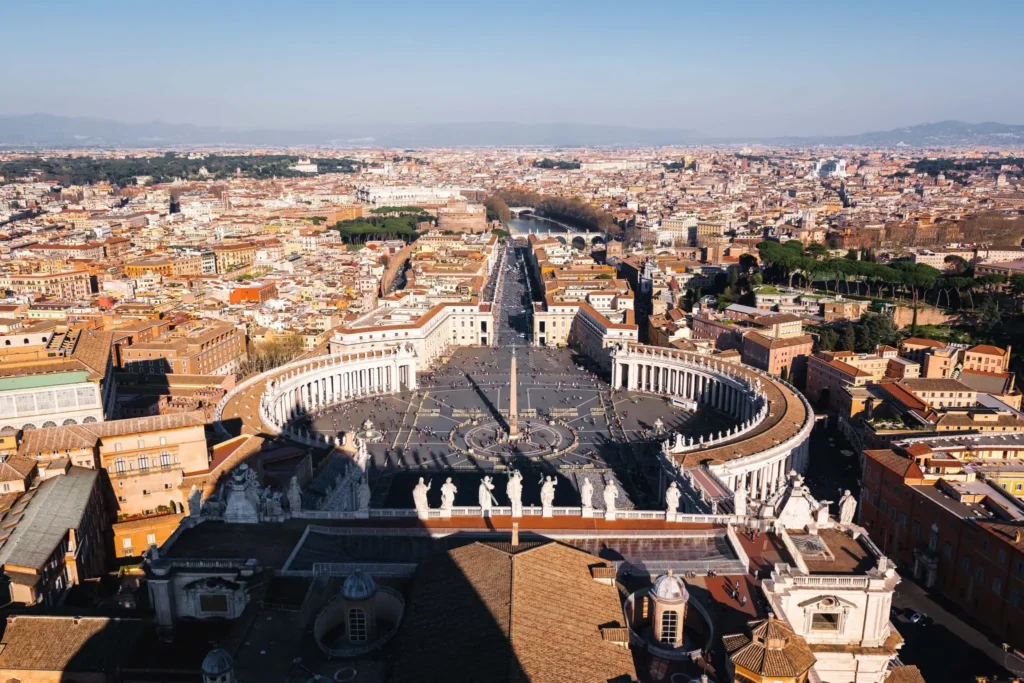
<point x="143" y="462"/>
<point x="49" y="423"/>
<point x="28" y="426"/>
<point x="669" y="626"/>
<point x="356" y="625"/>
<point x="89" y="420"/>
<point x="119" y="465"/>
<point x="165" y="459"/>
<point x="68" y="422"/>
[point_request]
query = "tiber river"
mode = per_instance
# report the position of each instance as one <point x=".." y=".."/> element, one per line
<point x="524" y="225"/>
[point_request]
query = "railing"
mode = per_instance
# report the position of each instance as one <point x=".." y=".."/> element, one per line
<point x="791" y="548"/>
<point x="832" y="581"/>
<point x="734" y="541"/>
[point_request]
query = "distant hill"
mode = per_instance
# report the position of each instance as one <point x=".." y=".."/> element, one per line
<point x="941" y="134"/>
<point x="48" y="130"/>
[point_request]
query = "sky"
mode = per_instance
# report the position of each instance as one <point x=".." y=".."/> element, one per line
<point x="722" y="68"/>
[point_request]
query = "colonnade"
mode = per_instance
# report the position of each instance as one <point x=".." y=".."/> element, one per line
<point x="702" y="384"/>
<point x="758" y="468"/>
<point x="336" y="379"/>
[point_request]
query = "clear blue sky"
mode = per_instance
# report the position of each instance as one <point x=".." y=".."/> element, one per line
<point x="729" y="67"/>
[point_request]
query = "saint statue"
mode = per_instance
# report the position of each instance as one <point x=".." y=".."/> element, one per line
<point x="672" y="496"/>
<point x="294" y="495"/>
<point x="739" y="501"/>
<point x="514" y="491"/>
<point x="484" y="496"/>
<point x="587" y="494"/>
<point x="448" y="491"/>
<point x="547" y="495"/>
<point x="610" y="494"/>
<point x="419" y="498"/>
<point x="847" y="507"/>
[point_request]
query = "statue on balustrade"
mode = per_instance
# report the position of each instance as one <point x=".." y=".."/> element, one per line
<point x="419" y="498"/>
<point x="484" y="495"/>
<point x="672" y="496"/>
<point x="547" y="495"/>
<point x="514" y="491"/>
<point x="448" y="491"/>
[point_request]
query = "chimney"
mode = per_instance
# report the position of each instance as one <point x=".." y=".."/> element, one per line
<point x="515" y="534"/>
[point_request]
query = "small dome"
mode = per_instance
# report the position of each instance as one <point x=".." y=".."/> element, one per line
<point x="358" y="586"/>
<point x="669" y="587"/>
<point x="217" y="662"/>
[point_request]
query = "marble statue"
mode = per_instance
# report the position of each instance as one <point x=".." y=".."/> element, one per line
<point x="547" y="496"/>
<point x="679" y="441"/>
<point x="448" y="491"/>
<point x="484" y="495"/>
<point x="659" y="426"/>
<point x="195" y="502"/>
<point x="610" y="494"/>
<point x="514" y="491"/>
<point x="672" y="496"/>
<point x="587" y="494"/>
<point x="419" y="498"/>
<point x="294" y="495"/>
<point x="847" y="507"/>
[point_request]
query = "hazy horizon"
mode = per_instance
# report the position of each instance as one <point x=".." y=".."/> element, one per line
<point x="746" y="69"/>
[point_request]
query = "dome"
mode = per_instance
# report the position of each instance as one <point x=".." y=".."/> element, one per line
<point x="669" y="587"/>
<point x="358" y="586"/>
<point x="217" y="662"/>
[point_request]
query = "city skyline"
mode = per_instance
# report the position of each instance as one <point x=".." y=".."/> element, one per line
<point x="756" y="70"/>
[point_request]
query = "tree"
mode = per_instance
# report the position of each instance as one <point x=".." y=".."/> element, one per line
<point x="851" y="255"/>
<point x="827" y="339"/>
<point x="1017" y="288"/>
<point x="784" y="373"/>
<point x="755" y="280"/>
<point x="816" y="250"/>
<point x="957" y="264"/>
<point x="847" y="339"/>
<point x="747" y="262"/>
<point x="498" y="208"/>
<point x="989" y="319"/>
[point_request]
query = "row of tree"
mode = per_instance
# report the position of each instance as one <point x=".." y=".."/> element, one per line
<point x="564" y="209"/>
<point x="362" y="230"/>
<point x="123" y="172"/>
<point x="556" y="163"/>
<point x="784" y="262"/>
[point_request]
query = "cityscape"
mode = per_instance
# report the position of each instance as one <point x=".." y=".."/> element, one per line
<point x="298" y="388"/>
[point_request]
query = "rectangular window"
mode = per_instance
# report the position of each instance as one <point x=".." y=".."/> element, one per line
<point x="825" y="621"/>
<point x="213" y="603"/>
<point x="1014" y="598"/>
<point x="150" y="539"/>
<point x="126" y="543"/>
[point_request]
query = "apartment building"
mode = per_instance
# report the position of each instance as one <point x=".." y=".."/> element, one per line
<point x="145" y="458"/>
<point x="205" y="348"/>
<point x="69" y="285"/>
<point x="830" y="373"/>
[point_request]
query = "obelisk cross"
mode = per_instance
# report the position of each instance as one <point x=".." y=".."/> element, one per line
<point x="513" y="403"/>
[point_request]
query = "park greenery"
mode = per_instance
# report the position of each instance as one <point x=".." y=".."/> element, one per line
<point x="360" y="230"/>
<point x="497" y="210"/>
<point x="861" y="336"/>
<point x="567" y="210"/>
<point x="556" y="163"/>
<point x="397" y="210"/>
<point x="69" y="171"/>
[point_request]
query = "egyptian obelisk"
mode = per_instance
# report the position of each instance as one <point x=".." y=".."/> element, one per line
<point x="513" y="403"/>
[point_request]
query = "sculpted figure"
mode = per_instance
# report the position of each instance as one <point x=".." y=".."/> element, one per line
<point x="672" y="496"/>
<point x="610" y="494"/>
<point x="847" y="507"/>
<point x="547" y="495"/>
<point x="448" y="491"/>
<point x="484" y="496"/>
<point x="514" y="491"/>
<point x="587" y="494"/>
<point x="419" y="498"/>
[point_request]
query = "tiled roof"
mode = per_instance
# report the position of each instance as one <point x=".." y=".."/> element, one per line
<point x="771" y="649"/>
<point x="894" y="462"/>
<point x="59" y="644"/>
<point x="904" y="674"/>
<point x="478" y="613"/>
<point x="74" y="437"/>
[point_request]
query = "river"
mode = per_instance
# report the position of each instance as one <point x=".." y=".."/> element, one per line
<point x="524" y="225"/>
